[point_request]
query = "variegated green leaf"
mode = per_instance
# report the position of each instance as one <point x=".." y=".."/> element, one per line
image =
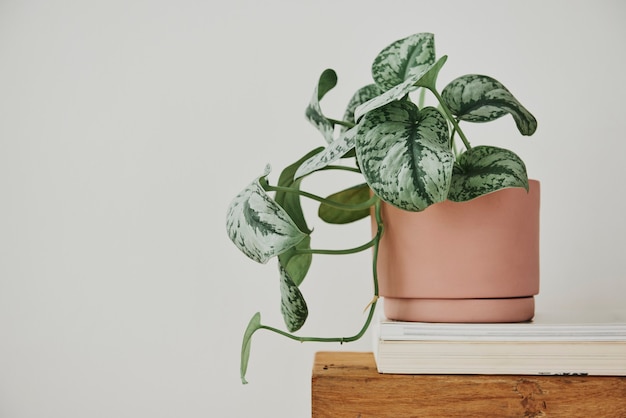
<point x="259" y="226"/>
<point x="427" y="78"/>
<point x="296" y="262"/>
<point x="404" y="59"/>
<point x="361" y="96"/>
<point x="292" y="304"/>
<point x="291" y="201"/>
<point x="483" y="169"/>
<point x="253" y="326"/>
<point x="479" y="98"/>
<point x="352" y="196"/>
<point x="313" y="112"/>
<point x="395" y="93"/>
<point x="333" y="152"/>
<point x="404" y="154"/>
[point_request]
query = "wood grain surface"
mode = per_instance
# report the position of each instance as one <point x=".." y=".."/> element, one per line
<point x="347" y="384"/>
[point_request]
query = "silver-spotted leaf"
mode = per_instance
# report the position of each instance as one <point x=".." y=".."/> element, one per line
<point x="404" y="155"/>
<point x="403" y="59"/>
<point x="429" y="76"/>
<point x="333" y="152"/>
<point x="292" y="304"/>
<point x="296" y="263"/>
<point x="291" y="201"/>
<point x="484" y="169"/>
<point x="297" y="260"/>
<point x="361" y="96"/>
<point x="479" y="98"/>
<point x="426" y="78"/>
<point x="259" y="226"/>
<point x="352" y="196"/>
<point x="253" y="326"/>
<point x="313" y="112"/>
<point x="393" y="94"/>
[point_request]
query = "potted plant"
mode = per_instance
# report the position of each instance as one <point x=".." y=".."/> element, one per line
<point x="411" y="157"/>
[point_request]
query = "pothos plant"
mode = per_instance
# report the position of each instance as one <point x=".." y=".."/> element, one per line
<point x="409" y="155"/>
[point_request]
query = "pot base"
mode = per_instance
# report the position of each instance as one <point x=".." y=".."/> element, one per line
<point x="460" y="310"/>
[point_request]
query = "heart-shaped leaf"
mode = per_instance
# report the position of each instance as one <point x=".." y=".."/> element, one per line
<point x="479" y="98"/>
<point x="395" y="93"/>
<point x="259" y="226"/>
<point x="297" y="263"/>
<point x="361" y="96"/>
<point x="333" y="152"/>
<point x="485" y="169"/>
<point x="313" y="112"/>
<point x="292" y="304"/>
<point x="426" y="78"/>
<point x="404" y="154"/>
<point x="429" y="76"/>
<point x="253" y="326"/>
<point x="352" y="196"/>
<point x="291" y="201"/>
<point x="404" y="59"/>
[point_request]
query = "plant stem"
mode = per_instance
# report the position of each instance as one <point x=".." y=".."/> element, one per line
<point x="341" y="123"/>
<point x="451" y="119"/>
<point x="328" y="339"/>
<point x="422" y="98"/>
<point x="363" y="205"/>
<point x="341" y="167"/>
<point x="379" y="234"/>
<point x="360" y="248"/>
<point x="372" y="306"/>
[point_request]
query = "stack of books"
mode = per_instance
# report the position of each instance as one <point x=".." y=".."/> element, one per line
<point x="565" y="343"/>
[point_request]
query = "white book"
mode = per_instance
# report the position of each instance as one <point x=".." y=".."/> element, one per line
<point x="591" y="343"/>
<point x="545" y="326"/>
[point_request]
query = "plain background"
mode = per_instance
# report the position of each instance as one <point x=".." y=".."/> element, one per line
<point x="126" y="127"/>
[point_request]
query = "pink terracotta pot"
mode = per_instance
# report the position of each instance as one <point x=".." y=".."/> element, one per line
<point x="475" y="261"/>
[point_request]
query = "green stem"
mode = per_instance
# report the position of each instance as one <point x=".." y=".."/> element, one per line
<point x="341" y="123"/>
<point x="451" y="118"/>
<point x="372" y="305"/>
<point x="328" y="339"/>
<point x="341" y="167"/>
<point x="422" y="98"/>
<point x="379" y="234"/>
<point x="360" y="248"/>
<point x="363" y="205"/>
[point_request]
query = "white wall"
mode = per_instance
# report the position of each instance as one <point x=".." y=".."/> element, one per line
<point x="127" y="126"/>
